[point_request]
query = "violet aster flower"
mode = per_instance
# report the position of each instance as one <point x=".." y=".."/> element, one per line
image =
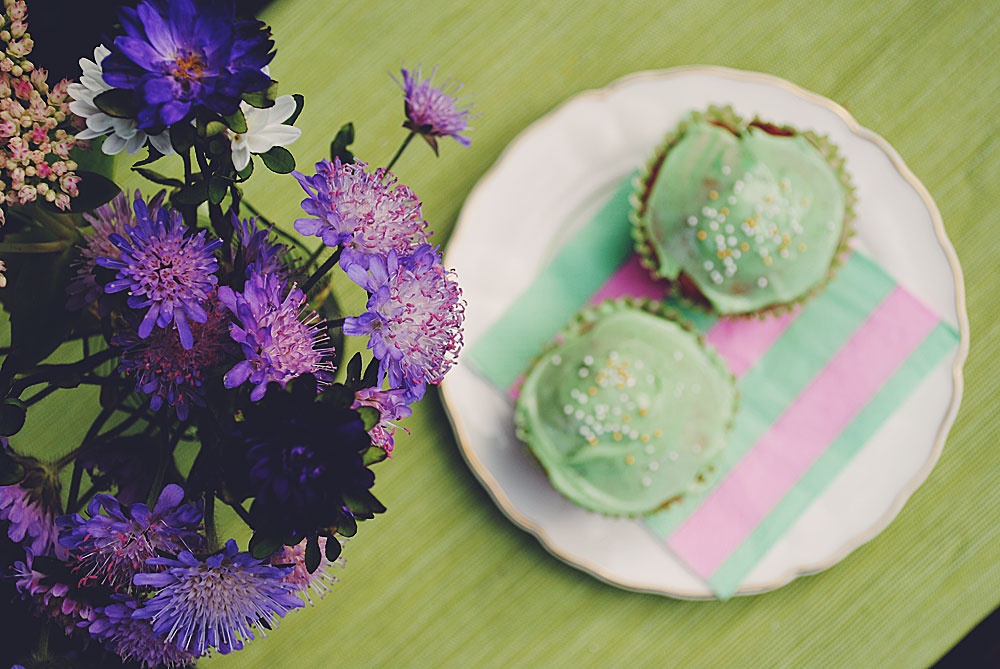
<point x="164" y="269"/>
<point x="365" y="213"/>
<point x="278" y="344"/>
<point x="30" y="518"/>
<point x="214" y="603"/>
<point x="319" y="582"/>
<point x="133" y="639"/>
<point x="108" y="219"/>
<point x="414" y="317"/>
<point x="168" y="372"/>
<point x="181" y="55"/>
<point x="392" y="405"/>
<point x="433" y="111"/>
<point x="110" y="549"/>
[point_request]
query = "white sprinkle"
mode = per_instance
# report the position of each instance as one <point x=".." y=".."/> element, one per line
<point x="654" y="465"/>
<point x="732" y="199"/>
<point x="588" y="360"/>
<point x="584" y="372"/>
<point x="579" y="414"/>
<point x="674" y="455"/>
<point x="613" y="355"/>
<point x="556" y="360"/>
<point x="762" y="282"/>
<point x="726" y="169"/>
<point x="709" y="265"/>
<point x="732" y="241"/>
<point x="713" y="226"/>
<point x="624" y="398"/>
<point x="646" y="481"/>
<point x="730" y="229"/>
<point x="568" y="410"/>
<point x="737" y="253"/>
<point x="617" y="411"/>
<point x="650" y="449"/>
<point x="582" y="399"/>
<point x="716" y="277"/>
<point x="589" y="420"/>
<point x="692" y="221"/>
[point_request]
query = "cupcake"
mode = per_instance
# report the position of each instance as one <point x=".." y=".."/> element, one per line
<point x="742" y="217"/>
<point x="627" y="410"/>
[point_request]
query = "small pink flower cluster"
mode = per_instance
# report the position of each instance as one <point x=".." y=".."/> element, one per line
<point x="34" y="119"/>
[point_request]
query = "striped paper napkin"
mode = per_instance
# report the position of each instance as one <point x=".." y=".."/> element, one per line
<point x="814" y="385"/>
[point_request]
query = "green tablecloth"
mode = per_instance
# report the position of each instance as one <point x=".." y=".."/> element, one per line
<point x="444" y="578"/>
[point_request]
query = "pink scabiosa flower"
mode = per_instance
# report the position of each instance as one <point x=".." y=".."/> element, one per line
<point x="30" y="518"/>
<point x="111" y="218"/>
<point x="414" y="316"/>
<point x="392" y="405"/>
<point x="433" y="111"/>
<point x="168" y="372"/>
<point x="217" y="602"/>
<point x="53" y="594"/>
<point x="133" y="639"/>
<point x="280" y="338"/>
<point x="110" y="548"/>
<point x="363" y="212"/>
<point x="319" y="582"/>
<point x="164" y="269"/>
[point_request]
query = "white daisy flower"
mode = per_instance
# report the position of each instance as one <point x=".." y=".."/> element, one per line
<point x="124" y="132"/>
<point x="265" y="130"/>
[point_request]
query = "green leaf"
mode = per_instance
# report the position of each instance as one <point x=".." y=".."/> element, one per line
<point x="300" y="102"/>
<point x="151" y="156"/>
<point x="158" y="178"/>
<point x="218" y="146"/>
<point x="279" y="160"/>
<point x="217" y="188"/>
<point x="194" y="194"/>
<point x="182" y="137"/>
<point x="369" y="415"/>
<point x="374" y="455"/>
<point x="347" y="526"/>
<point x="214" y="128"/>
<point x="12" y="471"/>
<point x="343" y="139"/>
<point x="365" y="506"/>
<point x="264" y="98"/>
<point x="370" y="379"/>
<point x="354" y="371"/>
<point x="262" y="546"/>
<point x="117" y="102"/>
<point x="245" y="173"/>
<point x="12" y="415"/>
<point x="333" y="548"/>
<point x="236" y="121"/>
<point x="95" y="190"/>
<point x="312" y="554"/>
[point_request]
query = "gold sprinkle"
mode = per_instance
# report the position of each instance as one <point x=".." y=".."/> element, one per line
<point x="644" y="438"/>
<point x="802" y="247"/>
<point x="592" y="391"/>
<point x="768" y="260"/>
<point x="750" y="222"/>
<point x="608" y="362"/>
<point x="744" y="247"/>
<point x="786" y="239"/>
<point x="724" y="211"/>
<point x="804" y="202"/>
<point x="617" y="436"/>
<point x="782" y="249"/>
<point x="643" y="412"/>
<point x="713" y="194"/>
<point x="784" y="184"/>
<point x="592" y="441"/>
<point x="627" y="418"/>
<point x="620" y="386"/>
<point x="768" y="198"/>
<point x="625" y="363"/>
<point x="702" y="235"/>
<point x="657" y="433"/>
<point x="630" y="459"/>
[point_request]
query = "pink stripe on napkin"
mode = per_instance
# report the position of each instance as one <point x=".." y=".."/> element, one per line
<point x="630" y="280"/>
<point x="742" y="342"/>
<point x="793" y="443"/>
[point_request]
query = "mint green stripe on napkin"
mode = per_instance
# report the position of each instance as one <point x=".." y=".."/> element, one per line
<point x="770" y="386"/>
<point x="580" y="267"/>
<point x="940" y="341"/>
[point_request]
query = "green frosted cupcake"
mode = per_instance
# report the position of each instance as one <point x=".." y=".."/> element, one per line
<point x="742" y="216"/>
<point x="627" y="410"/>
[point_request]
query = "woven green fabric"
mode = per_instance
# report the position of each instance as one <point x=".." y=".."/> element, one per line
<point x="444" y="579"/>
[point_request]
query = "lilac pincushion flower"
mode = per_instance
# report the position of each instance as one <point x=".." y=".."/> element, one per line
<point x="132" y="638"/>
<point x="365" y="213"/>
<point x="414" y="317"/>
<point x="392" y="405"/>
<point x="168" y="372"/>
<point x="110" y="549"/>
<point x="214" y="603"/>
<point x="181" y="55"/>
<point x="165" y="269"/>
<point x="277" y="342"/>
<point x="29" y="518"/>
<point x="318" y="582"/>
<point x="433" y="111"/>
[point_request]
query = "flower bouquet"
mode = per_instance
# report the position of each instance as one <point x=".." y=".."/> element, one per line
<point x="212" y="336"/>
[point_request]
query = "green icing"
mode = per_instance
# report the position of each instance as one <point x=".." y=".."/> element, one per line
<point x="754" y="220"/>
<point x="627" y="412"/>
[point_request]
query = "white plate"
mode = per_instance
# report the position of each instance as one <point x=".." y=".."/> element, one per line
<point x="553" y="177"/>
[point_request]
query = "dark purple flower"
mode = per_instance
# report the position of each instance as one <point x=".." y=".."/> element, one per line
<point x="277" y="342"/>
<point x="30" y="519"/>
<point x="185" y="54"/>
<point x="414" y="317"/>
<point x="433" y="111"/>
<point x="305" y="463"/>
<point x="392" y="405"/>
<point x="110" y="549"/>
<point x="168" y="372"/>
<point x="133" y="639"/>
<point x="165" y="269"/>
<point x="216" y="602"/>
<point x="53" y="592"/>
<point x="365" y="213"/>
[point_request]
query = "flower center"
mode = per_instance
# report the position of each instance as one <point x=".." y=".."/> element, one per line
<point x="188" y="68"/>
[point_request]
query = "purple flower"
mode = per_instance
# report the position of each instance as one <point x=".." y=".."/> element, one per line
<point x="216" y="602"/>
<point x="319" y="582"/>
<point x="433" y="111"/>
<point x="52" y="592"/>
<point x="184" y="54"/>
<point x="414" y="317"/>
<point x="257" y="250"/>
<point x="364" y="213"/>
<point x="392" y="405"/>
<point x="168" y="372"/>
<point x="164" y="269"/>
<point x="278" y="344"/>
<point x="133" y="639"/>
<point x="108" y="219"/>
<point x="29" y="518"/>
<point x="110" y="549"/>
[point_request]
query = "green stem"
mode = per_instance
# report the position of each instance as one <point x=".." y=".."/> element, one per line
<point x="402" y="148"/>
<point x="337" y="323"/>
<point x="40" y="395"/>
<point x="34" y="248"/>
<point x="210" y="533"/>
<point x="84" y="498"/>
<point x="188" y="213"/>
<point x="321" y="272"/>
<point x="95" y="427"/>
<point x="42" y="653"/>
<point x="221" y="223"/>
<point x="74" y="486"/>
<point x="42" y="373"/>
